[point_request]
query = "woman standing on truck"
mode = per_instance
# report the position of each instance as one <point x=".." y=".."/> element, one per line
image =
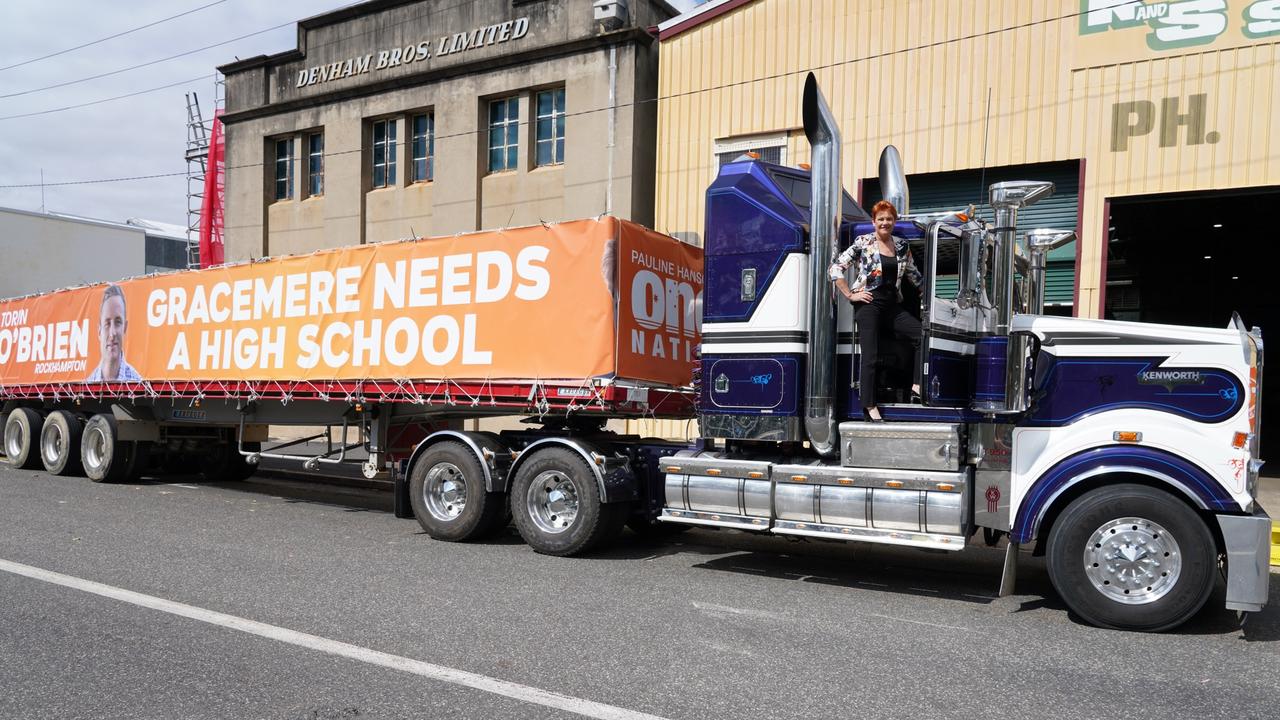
<point x="882" y="259"/>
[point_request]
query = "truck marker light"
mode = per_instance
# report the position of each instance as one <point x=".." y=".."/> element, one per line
<point x="893" y="483"/>
<point x="714" y="471"/>
<point x="946" y="486"/>
<point x="1239" y="440"/>
<point x="755" y="474"/>
<point x="1127" y="436"/>
<point x="845" y="481"/>
<point x="799" y="478"/>
<point x="673" y="468"/>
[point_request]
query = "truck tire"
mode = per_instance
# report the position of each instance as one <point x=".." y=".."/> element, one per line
<point x="60" y="443"/>
<point x="21" y="428"/>
<point x="1131" y="557"/>
<point x="105" y="457"/>
<point x="556" y="505"/>
<point x="449" y="498"/>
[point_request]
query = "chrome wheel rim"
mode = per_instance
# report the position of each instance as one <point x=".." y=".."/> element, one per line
<point x="51" y="442"/>
<point x="95" y="447"/>
<point x="552" y="502"/>
<point x="13" y="439"/>
<point x="1132" y="561"/>
<point x="445" y="491"/>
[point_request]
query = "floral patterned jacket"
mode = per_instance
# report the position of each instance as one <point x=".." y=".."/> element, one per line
<point x="868" y="273"/>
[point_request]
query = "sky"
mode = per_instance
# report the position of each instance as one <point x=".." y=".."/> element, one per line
<point x="142" y="135"/>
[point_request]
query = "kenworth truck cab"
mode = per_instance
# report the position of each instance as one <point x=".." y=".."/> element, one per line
<point x="1124" y="452"/>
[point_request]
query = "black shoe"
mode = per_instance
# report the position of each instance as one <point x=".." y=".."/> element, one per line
<point x="867" y="417"/>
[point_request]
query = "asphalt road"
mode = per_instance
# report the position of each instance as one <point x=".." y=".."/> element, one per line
<point x="280" y="599"/>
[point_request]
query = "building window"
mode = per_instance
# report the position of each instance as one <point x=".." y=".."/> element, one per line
<point x="771" y="148"/>
<point x="284" y="169"/>
<point x="504" y="140"/>
<point x="423" y="146"/>
<point x="384" y="153"/>
<point x="550" y="140"/>
<point x="315" y="164"/>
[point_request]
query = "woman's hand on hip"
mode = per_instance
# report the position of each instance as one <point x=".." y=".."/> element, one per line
<point x="863" y="296"/>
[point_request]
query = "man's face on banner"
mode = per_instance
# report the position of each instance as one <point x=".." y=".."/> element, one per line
<point x="111" y="330"/>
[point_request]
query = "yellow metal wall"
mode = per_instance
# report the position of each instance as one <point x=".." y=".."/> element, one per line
<point x="916" y="73"/>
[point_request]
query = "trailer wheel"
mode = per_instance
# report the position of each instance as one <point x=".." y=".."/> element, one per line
<point x="1132" y="557"/>
<point x="556" y="505"/>
<point x="104" y="456"/>
<point x="450" y="501"/>
<point x="60" y="443"/>
<point x="20" y="431"/>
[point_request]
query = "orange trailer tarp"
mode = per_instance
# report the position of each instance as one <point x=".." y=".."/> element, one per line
<point x="601" y="298"/>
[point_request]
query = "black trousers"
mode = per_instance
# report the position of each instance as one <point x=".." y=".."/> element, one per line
<point x="872" y="320"/>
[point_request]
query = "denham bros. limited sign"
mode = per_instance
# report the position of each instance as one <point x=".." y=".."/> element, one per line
<point x="415" y="52"/>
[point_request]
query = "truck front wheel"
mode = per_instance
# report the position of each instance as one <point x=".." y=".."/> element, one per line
<point x="450" y="500"/>
<point x="21" y="429"/>
<point x="1132" y="557"/>
<point x="556" y="504"/>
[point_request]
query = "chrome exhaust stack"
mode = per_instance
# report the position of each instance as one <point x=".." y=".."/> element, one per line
<point x="1007" y="198"/>
<point x="1038" y="243"/>
<point x="824" y="226"/>
<point x="893" y="181"/>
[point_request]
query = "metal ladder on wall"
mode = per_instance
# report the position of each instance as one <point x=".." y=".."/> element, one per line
<point x="197" y="157"/>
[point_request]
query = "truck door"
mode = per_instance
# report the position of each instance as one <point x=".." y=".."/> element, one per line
<point x="950" y="317"/>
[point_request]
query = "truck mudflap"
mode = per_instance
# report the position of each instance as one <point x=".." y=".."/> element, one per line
<point x="1248" y="545"/>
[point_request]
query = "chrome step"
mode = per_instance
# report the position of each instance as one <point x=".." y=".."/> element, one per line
<point x="721" y="520"/>
<point x="936" y="541"/>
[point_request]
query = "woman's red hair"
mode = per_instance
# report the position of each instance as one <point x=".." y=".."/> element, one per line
<point x="884" y="206"/>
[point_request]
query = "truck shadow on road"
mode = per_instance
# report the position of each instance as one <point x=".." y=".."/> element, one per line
<point x="972" y="578"/>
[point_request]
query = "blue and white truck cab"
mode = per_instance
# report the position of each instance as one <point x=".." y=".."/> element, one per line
<point x="1124" y="452"/>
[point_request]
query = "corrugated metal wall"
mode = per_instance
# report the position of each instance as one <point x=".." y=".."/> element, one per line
<point x="918" y="73"/>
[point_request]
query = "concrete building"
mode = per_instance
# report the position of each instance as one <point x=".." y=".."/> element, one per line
<point x="395" y="118"/>
<point x="48" y="251"/>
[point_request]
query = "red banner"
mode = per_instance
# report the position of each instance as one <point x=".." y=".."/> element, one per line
<point x="211" y="206"/>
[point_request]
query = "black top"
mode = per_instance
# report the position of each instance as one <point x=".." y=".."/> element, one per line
<point x="889" y="281"/>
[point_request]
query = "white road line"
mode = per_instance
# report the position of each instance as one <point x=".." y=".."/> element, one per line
<point x="515" y="691"/>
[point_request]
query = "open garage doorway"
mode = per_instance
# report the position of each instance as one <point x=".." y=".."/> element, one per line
<point x="1193" y="259"/>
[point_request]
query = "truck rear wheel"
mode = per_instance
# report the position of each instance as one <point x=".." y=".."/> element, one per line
<point x="447" y="490"/>
<point x="60" y="443"/>
<point x="1133" y="558"/>
<point x="104" y="456"/>
<point x="21" y="429"/>
<point x="556" y="504"/>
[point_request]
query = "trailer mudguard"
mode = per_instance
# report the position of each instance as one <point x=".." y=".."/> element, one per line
<point x="616" y="481"/>
<point x="1178" y="474"/>
<point x="494" y="456"/>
